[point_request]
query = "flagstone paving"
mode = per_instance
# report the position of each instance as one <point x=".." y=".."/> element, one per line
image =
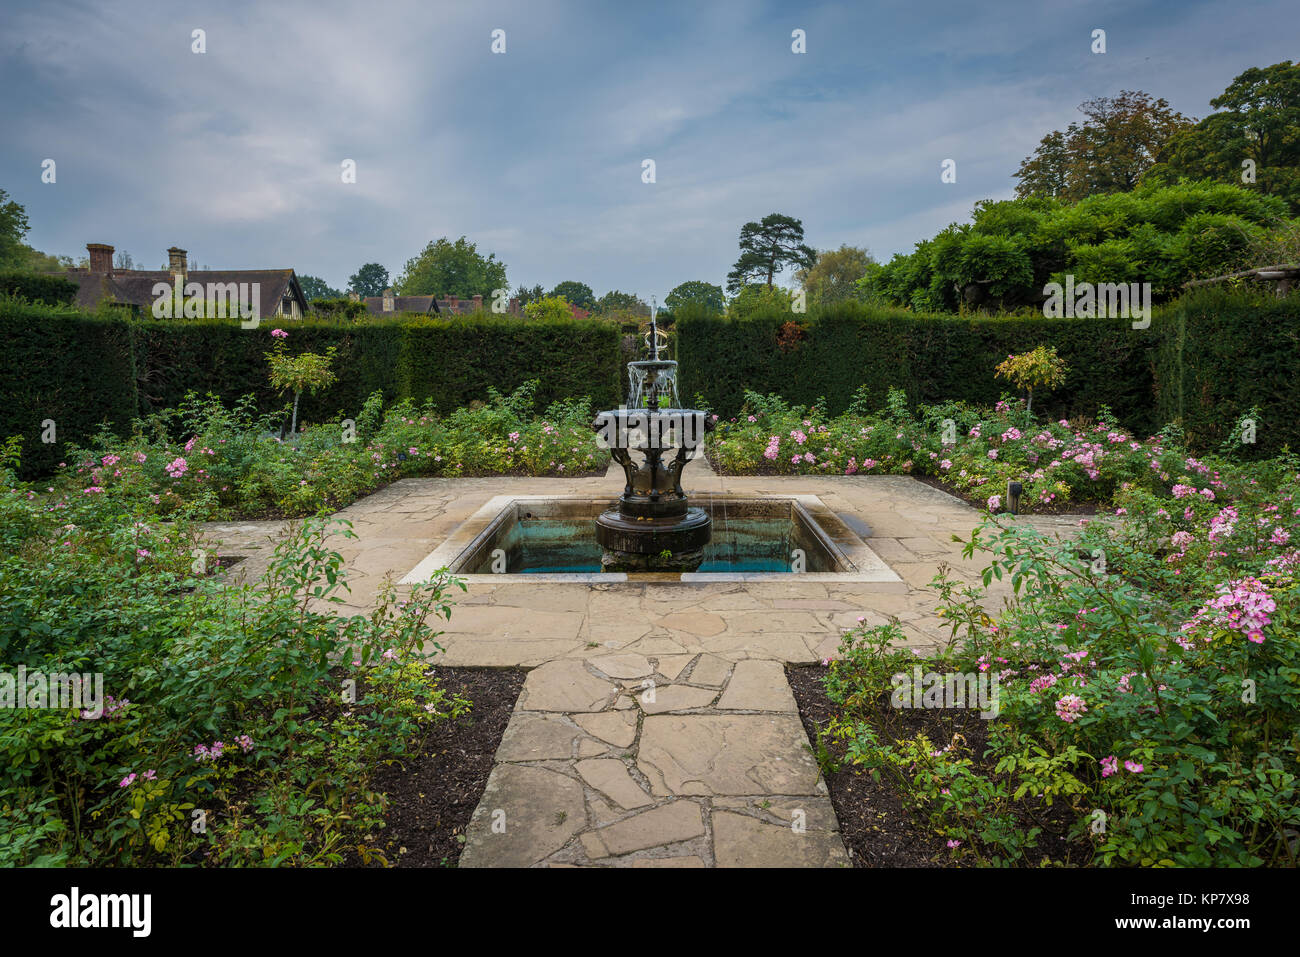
<point x="618" y="761"/>
<point x="656" y="727"/>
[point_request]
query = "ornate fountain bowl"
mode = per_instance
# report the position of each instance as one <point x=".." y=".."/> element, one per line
<point x="653" y="527"/>
<point x="652" y="383"/>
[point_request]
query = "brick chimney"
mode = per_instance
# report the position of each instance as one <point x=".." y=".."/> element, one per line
<point x="390" y="302"/>
<point x="478" y="303"/>
<point x="514" y="305"/>
<point x="176" y="262"/>
<point x="454" y="300"/>
<point x="101" y="257"/>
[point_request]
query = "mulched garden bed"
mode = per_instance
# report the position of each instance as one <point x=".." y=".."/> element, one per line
<point x="433" y="795"/>
<point x="877" y="829"/>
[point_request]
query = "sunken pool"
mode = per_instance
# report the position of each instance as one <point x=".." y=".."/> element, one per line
<point x="554" y="538"/>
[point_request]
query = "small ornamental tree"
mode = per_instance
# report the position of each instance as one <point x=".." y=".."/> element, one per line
<point x="549" y="308"/>
<point x="307" y="372"/>
<point x="1040" y="368"/>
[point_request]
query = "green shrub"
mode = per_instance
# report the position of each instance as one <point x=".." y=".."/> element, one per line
<point x="339" y="308"/>
<point x="975" y="450"/>
<point x="758" y="298"/>
<point x="217" y="698"/>
<point x="1165" y="235"/>
<point x="35" y="287"/>
<point x="211" y="460"/>
<point x="454" y="361"/>
<point x="1227" y="351"/>
<point x="548" y="308"/>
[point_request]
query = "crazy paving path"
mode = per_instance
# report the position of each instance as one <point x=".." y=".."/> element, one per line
<point x="670" y="761"/>
<point x="656" y="727"/>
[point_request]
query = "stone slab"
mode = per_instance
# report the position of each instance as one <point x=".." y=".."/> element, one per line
<point x="732" y="754"/>
<point x="541" y="811"/>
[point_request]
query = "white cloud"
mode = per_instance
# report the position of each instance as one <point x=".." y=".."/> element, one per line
<point x="536" y="154"/>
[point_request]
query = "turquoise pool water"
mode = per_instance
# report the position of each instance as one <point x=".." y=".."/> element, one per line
<point x="557" y="546"/>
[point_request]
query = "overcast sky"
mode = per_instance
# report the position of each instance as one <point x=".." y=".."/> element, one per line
<point x="536" y="154"/>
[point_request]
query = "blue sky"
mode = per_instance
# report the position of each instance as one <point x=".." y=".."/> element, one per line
<point x="536" y="154"/>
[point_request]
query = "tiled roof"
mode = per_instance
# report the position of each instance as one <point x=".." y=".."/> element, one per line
<point x="441" y="305"/>
<point x="422" y="304"/>
<point x="460" y="307"/>
<point x="135" y="286"/>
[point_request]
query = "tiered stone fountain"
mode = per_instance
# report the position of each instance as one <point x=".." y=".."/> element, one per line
<point x="653" y="528"/>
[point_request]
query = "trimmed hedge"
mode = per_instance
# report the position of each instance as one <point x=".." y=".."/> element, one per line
<point x="34" y="287"/>
<point x="84" y="370"/>
<point x="454" y="360"/>
<point x="1226" y="352"/>
<point x="65" y="365"/>
<point x="1204" y="362"/>
<point x="221" y="358"/>
<point x="830" y="352"/>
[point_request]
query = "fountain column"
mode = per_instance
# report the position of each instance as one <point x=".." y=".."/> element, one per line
<point x="653" y="527"/>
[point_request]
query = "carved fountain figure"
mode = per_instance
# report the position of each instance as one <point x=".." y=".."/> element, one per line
<point x="653" y="527"/>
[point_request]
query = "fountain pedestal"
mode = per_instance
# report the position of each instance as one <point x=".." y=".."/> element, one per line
<point x="670" y="544"/>
<point x="653" y="527"/>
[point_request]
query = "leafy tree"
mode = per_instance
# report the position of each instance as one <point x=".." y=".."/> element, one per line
<point x="549" y="307"/>
<point x="766" y="248"/>
<point x="456" y="269"/>
<point x="370" y="280"/>
<point x="15" y="255"/>
<point x="1117" y="142"/>
<point x="527" y="294"/>
<point x="36" y="261"/>
<point x="835" y="274"/>
<point x="313" y="287"/>
<point x="1258" y="121"/>
<point x="1046" y="173"/>
<point x="615" y="301"/>
<point x="578" y="293"/>
<point x="756" y="297"/>
<point x="1164" y="235"/>
<point x="696" y="292"/>
<point x="13" y="227"/>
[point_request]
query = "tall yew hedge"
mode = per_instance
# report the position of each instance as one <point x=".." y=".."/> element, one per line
<point x="455" y="360"/>
<point x="1228" y="352"/>
<point x="66" y="366"/>
<point x="1204" y="361"/>
<point x="84" y="370"/>
<point x="37" y="287"/>
<point x="830" y="352"/>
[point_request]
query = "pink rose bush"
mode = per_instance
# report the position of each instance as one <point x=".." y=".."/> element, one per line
<point x="1154" y="692"/>
<point x="212" y="462"/>
<point x="1056" y="462"/>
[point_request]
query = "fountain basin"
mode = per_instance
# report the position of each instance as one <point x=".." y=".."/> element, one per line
<point x="754" y="537"/>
